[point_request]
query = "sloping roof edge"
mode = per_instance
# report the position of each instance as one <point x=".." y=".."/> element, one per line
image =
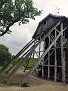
<point x="54" y="16"/>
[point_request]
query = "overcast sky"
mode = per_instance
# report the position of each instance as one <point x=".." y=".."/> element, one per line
<point x="22" y="34"/>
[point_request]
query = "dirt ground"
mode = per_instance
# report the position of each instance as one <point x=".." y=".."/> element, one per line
<point x="37" y="84"/>
<point x="40" y="85"/>
<point x="44" y="87"/>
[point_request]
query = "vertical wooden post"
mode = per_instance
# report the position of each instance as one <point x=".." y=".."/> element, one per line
<point x="34" y="55"/>
<point x="49" y="60"/>
<point x="39" y="48"/>
<point x="55" y="75"/>
<point x="43" y="69"/>
<point x="62" y="57"/>
<point x="39" y="53"/>
<point x="43" y="60"/>
<point x="34" y="59"/>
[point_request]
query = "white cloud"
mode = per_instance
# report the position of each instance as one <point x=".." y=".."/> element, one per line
<point x="19" y="37"/>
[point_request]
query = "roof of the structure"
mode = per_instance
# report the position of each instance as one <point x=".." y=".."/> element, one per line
<point x="54" y="16"/>
<point x="48" y="16"/>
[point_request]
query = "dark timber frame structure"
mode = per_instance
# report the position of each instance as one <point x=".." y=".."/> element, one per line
<point x="50" y="39"/>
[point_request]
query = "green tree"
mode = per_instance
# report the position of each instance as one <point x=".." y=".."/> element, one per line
<point x="5" y="55"/>
<point x="12" y="11"/>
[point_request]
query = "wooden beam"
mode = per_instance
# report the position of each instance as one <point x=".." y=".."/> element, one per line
<point x="52" y="65"/>
<point x="43" y="60"/>
<point x="42" y="70"/>
<point x="27" y="64"/>
<point x="55" y="75"/>
<point x="39" y="48"/>
<point x="39" y="53"/>
<point x="62" y="56"/>
<point x="49" y="60"/>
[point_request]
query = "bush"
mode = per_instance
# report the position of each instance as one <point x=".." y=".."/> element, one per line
<point x="24" y="85"/>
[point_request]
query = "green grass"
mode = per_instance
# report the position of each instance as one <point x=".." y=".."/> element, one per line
<point x="31" y="63"/>
<point x="21" y="68"/>
<point x="17" y="78"/>
<point x="2" y="77"/>
<point x="13" y="82"/>
<point x="1" y="67"/>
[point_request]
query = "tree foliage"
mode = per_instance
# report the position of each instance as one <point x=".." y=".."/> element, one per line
<point x="12" y="11"/>
<point x="5" y="55"/>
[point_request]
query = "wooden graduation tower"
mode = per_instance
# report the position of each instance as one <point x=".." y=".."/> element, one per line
<point x="55" y="63"/>
<point x="50" y="44"/>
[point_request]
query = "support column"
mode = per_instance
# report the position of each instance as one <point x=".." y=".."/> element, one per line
<point x="62" y="57"/>
<point x="39" y="48"/>
<point x="55" y="75"/>
<point x="43" y="69"/>
<point x="39" y="53"/>
<point x="43" y="61"/>
<point x="49" y="60"/>
<point x="34" y="59"/>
